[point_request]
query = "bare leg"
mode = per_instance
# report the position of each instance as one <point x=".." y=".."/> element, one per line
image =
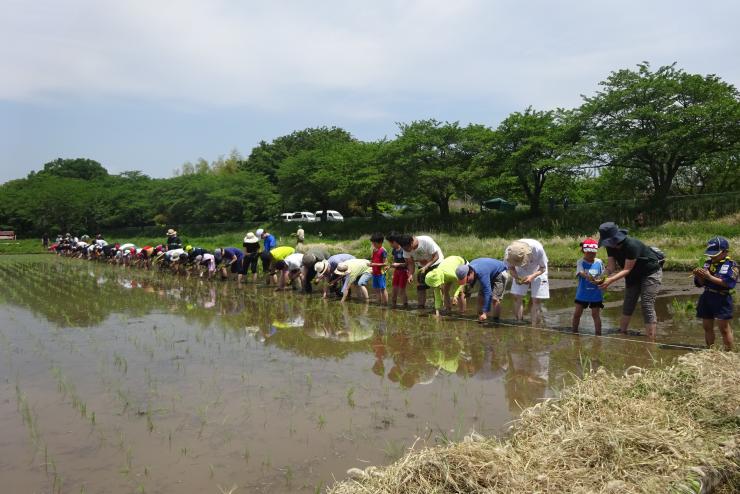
<point x="651" y="329"/>
<point x="726" y="330"/>
<point x="624" y="323"/>
<point x="496" y="308"/>
<point x="422" y="297"/>
<point x="363" y="292"/>
<point x="576" y="320"/>
<point x="536" y="312"/>
<point x="708" y="325"/>
<point x="518" y="307"/>
<point x="596" y="315"/>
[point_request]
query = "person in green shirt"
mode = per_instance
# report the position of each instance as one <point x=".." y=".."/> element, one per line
<point x="276" y="255"/>
<point x="441" y="279"/>
<point x="355" y="272"/>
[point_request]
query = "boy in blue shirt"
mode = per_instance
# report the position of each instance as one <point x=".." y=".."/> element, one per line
<point x="589" y="269"/>
<point x="718" y="276"/>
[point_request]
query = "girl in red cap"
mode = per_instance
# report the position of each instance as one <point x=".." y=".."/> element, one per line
<point x="589" y="270"/>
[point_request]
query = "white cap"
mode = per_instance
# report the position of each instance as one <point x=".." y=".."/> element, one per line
<point x="259" y="232"/>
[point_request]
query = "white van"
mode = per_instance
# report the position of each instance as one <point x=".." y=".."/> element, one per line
<point x="331" y="215"/>
<point x="285" y="216"/>
<point x="306" y="216"/>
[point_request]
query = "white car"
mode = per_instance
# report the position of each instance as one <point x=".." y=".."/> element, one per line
<point x="331" y="215"/>
<point x="285" y="216"/>
<point x="302" y="216"/>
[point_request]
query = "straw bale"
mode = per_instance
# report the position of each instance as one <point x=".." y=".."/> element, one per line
<point x="658" y="430"/>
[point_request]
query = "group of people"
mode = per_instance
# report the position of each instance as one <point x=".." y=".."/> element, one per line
<point x="418" y="259"/>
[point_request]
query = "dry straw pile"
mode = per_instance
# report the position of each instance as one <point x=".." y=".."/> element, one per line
<point x="661" y="430"/>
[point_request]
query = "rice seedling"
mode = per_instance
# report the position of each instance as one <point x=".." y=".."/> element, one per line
<point x="321" y="422"/>
<point x="350" y="397"/>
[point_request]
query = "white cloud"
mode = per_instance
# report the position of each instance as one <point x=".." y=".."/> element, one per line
<point x="276" y="55"/>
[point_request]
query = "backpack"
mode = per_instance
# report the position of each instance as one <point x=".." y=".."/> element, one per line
<point x="660" y="255"/>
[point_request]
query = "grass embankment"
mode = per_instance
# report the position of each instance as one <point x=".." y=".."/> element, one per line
<point x="660" y="430"/>
<point x="683" y="242"/>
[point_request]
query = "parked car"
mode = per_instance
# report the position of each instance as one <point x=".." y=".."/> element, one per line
<point x="306" y="216"/>
<point x="285" y="216"/>
<point x="497" y="204"/>
<point x="331" y="215"/>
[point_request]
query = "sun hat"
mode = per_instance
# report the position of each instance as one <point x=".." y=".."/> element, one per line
<point x="259" y="232"/>
<point x="434" y="278"/>
<point x="308" y="259"/>
<point x="462" y="272"/>
<point x="251" y="238"/>
<point x="518" y="253"/>
<point x="342" y="269"/>
<point x="717" y="245"/>
<point x="590" y="245"/>
<point x="321" y="267"/>
<point x="171" y="232"/>
<point x="610" y="235"/>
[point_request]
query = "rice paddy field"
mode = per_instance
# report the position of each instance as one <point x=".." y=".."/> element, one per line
<point x="123" y="380"/>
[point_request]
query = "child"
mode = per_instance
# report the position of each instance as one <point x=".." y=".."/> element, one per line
<point x="718" y="276"/>
<point x="400" y="272"/>
<point x="378" y="264"/>
<point x="589" y="270"/>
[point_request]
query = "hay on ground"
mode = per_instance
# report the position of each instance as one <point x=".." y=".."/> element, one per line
<point x="675" y="429"/>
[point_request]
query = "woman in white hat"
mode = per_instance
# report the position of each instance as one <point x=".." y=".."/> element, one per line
<point x="527" y="263"/>
<point x="252" y="254"/>
<point x="173" y="241"/>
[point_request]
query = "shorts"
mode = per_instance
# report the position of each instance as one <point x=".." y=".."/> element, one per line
<point x="379" y="281"/>
<point x="237" y="267"/>
<point x="363" y="279"/>
<point x="266" y="261"/>
<point x="539" y="286"/>
<point x="400" y="278"/>
<point x="498" y="285"/>
<point x="593" y="305"/>
<point x="714" y="306"/>
<point x="421" y="278"/>
<point x="646" y="290"/>
<point x="250" y="262"/>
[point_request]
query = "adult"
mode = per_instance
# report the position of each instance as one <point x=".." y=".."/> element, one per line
<point x="276" y="255"/>
<point x="527" y="264"/>
<point x="355" y="272"/>
<point x="173" y="241"/>
<point x="289" y="270"/>
<point x="312" y="255"/>
<point x="45" y="240"/>
<point x="425" y="252"/>
<point x="441" y="280"/>
<point x="268" y="243"/>
<point x="325" y="271"/>
<point x="492" y="276"/>
<point x="300" y="235"/>
<point x="251" y="254"/>
<point x="640" y="267"/>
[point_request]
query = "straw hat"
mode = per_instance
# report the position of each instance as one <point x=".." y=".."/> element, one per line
<point x="518" y="253"/>
<point x="321" y="267"/>
<point x="342" y="269"/>
<point x="251" y="238"/>
<point x="171" y="232"/>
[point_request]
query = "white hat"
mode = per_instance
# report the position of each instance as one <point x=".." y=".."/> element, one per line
<point x="259" y="232"/>
<point x="321" y="267"/>
<point x="251" y="238"/>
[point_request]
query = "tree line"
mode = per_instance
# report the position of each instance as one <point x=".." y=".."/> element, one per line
<point x="645" y="133"/>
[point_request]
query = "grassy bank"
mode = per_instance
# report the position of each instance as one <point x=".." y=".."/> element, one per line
<point x="683" y="242"/>
<point x="661" y="430"/>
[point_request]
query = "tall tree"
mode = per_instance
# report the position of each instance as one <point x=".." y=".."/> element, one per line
<point x="530" y="147"/>
<point x="81" y="168"/>
<point x="662" y="124"/>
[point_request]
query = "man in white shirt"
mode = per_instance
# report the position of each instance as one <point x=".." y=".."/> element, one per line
<point x="425" y="252"/>
<point x="527" y="263"/>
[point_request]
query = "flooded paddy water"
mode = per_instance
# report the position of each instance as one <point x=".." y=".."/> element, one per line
<point x="121" y="380"/>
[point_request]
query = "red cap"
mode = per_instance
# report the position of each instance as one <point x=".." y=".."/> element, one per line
<point x="590" y="245"/>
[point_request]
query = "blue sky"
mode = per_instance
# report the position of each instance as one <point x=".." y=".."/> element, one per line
<point x="141" y="85"/>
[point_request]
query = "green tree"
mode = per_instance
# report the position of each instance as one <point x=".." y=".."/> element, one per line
<point x="431" y="161"/>
<point x="267" y="157"/>
<point x="662" y="125"/>
<point x="529" y="148"/>
<point x="81" y="168"/>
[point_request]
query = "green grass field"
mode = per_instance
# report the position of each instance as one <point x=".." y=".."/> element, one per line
<point x="682" y="242"/>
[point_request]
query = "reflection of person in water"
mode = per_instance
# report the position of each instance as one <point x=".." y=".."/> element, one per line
<point x="527" y="378"/>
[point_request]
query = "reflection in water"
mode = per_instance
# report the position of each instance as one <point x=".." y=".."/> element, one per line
<point x="220" y="368"/>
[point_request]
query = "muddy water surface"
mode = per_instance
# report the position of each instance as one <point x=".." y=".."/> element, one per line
<point x="118" y="380"/>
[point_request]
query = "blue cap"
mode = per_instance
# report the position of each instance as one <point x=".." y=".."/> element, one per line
<point x="717" y="245"/>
